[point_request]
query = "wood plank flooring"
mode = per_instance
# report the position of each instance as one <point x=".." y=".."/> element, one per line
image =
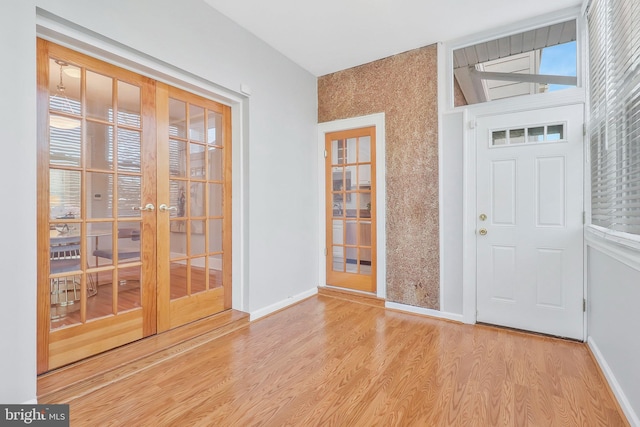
<point x="329" y="361"/>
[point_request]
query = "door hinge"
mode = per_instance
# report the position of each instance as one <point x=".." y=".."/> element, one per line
<point x="584" y="217"/>
<point x="325" y="154"/>
<point x="584" y="305"/>
<point x="472" y="124"/>
<point x="326" y="252"/>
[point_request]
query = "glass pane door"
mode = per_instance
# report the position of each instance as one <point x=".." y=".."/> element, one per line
<point x="194" y="218"/>
<point x="351" y="209"/>
<point x="93" y="279"/>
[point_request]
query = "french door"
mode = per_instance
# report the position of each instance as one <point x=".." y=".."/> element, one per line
<point x="350" y="209"/>
<point x="194" y="222"/>
<point x="133" y="207"/>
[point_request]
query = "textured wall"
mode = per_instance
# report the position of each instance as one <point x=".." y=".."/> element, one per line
<point x="404" y="87"/>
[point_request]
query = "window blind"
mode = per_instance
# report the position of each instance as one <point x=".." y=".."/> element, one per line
<point x="614" y="73"/>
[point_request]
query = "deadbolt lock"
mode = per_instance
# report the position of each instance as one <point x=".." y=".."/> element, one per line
<point x="483" y="217"/>
<point x="483" y="231"/>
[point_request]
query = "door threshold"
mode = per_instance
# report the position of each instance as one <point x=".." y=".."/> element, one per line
<point x="362" y="297"/>
<point x="526" y="332"/>
<point x="87" y="375"/>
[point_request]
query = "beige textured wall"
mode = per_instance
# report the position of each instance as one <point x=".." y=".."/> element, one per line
<point x="404" y="87"/>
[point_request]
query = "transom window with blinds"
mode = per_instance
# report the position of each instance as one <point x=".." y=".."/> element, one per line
<point x="614" y="65"/>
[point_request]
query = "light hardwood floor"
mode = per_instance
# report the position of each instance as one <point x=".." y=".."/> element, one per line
<point x="331" y="361"/>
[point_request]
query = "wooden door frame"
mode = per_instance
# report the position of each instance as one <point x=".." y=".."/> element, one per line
<point x="378" y="121"/>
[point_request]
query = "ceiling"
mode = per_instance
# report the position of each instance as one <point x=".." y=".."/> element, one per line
<point x="332" y="35"/>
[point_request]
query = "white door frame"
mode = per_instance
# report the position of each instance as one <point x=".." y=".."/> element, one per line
<point x="376" y="120"/>
<point x="471" y="114"/>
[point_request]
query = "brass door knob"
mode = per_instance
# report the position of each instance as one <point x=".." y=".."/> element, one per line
<point x="483" y="231"/>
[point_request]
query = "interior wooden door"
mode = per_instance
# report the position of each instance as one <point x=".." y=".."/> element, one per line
<point x="350" y="209"/>
<point x="194" y="217"/>
<point x="96" y="162"/>
<point x="134" y="206"/>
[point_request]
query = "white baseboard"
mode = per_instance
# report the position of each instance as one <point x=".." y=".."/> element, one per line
<point x="425" y="311"/>
<point x="31" y="402"/>
<point x="254" y="315"/>
<point x="632" y="417"/>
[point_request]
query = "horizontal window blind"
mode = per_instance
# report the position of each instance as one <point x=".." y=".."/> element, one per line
<point x="614" y="69"/>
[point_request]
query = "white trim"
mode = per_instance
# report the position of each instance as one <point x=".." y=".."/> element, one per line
<point x="255" y="315"/>
<point x="441" y="218"/>
<point x="55" y="29"/>
<point x="377" y="120"/>
<point x="632" y="417"/>
<point x="424" y="311"/>
<point x="30" y="402"/>
<point x="609" y="242"/>
<point x="469" y="307"/>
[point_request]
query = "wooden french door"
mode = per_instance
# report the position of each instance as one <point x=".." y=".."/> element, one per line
<point x="133" y="207"/>
<point x="194" y="222"/>
<point x="350" y="209"/>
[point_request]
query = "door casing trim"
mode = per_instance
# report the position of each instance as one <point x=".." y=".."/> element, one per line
<point x="378" y="121"/>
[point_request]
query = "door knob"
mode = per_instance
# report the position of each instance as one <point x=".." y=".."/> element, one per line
<point x="482" y="231"/>
<point x="163" y="208"/>
<point x="148" y="207"/>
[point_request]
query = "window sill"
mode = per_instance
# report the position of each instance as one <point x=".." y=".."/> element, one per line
<point x="621" y="246"/>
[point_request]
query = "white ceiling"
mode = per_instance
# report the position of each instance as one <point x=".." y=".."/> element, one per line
<point x="332" y="35"/>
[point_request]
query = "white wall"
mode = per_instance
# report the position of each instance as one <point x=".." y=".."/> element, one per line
<point x="613" y="322"/>
<point x="278" y="123"/>
<point x="18" y="195"/>
<point x="452" y="221"/>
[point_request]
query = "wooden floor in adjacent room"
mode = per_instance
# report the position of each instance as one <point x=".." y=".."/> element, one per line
<point x="330" y="361"/>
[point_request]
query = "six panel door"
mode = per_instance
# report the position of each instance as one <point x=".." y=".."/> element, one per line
<point x="529" y="224"/>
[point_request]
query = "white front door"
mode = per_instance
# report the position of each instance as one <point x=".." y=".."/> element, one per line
<point x="529" y="230"/>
